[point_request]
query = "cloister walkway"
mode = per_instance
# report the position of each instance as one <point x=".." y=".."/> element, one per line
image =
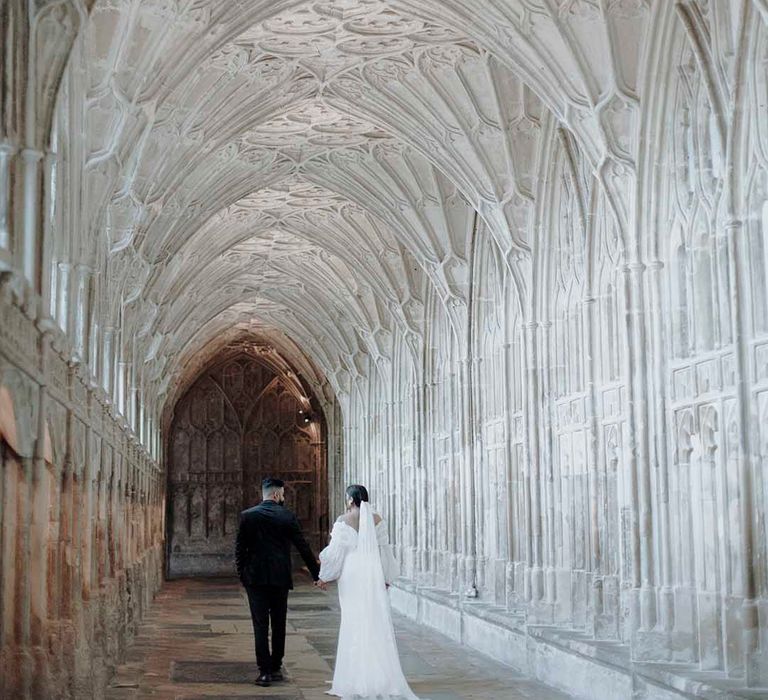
<point x="197" y="643"/>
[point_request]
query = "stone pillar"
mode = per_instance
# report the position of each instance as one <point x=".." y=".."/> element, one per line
<point x="7" y="151"/>
<point x="469" y="517"/>
<point x="390" y="472"/>
<point x="512" y="534"/>
<point x="39" y="549"/>
<point x="87" y="498"/>
<point x="48" y="225"/>
<point x="66" y="572"/>
<point x="534" y="577"/>
<point x="420" y="483"/>
<point x="62" y="294"/>
<point x="23" y="572"/>
<point x="754" y="638"/>
<point x="595" y="578"/>
<point x="31" y="217"/>
<point x="417" y="441"/>
<point x="546" y="485"/>
<point x="121" y="388"/>
<point x="107" y="362"/>
<point x="472" y="445"/>
<point x="643" y="603"/>
<point x="661" y="463"/>
<point x="14" y="593"/>
<point x="81" y="310"/>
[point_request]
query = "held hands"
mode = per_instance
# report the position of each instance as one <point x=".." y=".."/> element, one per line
<point x="323" y="585"/>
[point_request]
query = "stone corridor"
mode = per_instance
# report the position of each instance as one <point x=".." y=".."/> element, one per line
<point x="504" y="262"/>
<point x="197" y="642"/>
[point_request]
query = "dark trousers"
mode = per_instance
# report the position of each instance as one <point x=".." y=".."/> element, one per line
<point x="268" y="603"/>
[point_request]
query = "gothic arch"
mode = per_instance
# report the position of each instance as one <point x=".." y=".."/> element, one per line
<point x="241" y="418"/>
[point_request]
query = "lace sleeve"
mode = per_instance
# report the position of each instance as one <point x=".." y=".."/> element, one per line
<point x="332" y="557"/>
<point x="388" y="562"/>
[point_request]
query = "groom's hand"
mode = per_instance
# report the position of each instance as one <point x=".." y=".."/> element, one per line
<point x="322" y="585"/>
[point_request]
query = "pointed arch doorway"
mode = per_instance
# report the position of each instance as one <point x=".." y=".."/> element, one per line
<point x="246" y="416"/>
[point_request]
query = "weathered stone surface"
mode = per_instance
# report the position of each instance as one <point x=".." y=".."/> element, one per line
<point x="515" y="250"/>
<point x="245" y="418"/>
<point x="214" y="671"/>
<point x="222" y="666"/>
<point x="82" y="534"/>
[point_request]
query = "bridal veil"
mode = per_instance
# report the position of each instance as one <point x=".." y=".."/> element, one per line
<point x="367" y="662"/>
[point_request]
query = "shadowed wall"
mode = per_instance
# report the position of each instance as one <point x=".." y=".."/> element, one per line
<point x="240" y="422"/>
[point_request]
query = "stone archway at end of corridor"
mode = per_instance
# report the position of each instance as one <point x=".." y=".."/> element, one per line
<point x="246" y="415"/>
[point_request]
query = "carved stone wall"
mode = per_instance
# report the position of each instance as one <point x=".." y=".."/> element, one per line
<point x="240" y="422"/>
<point x="81" y="516"/>
<point x="515" y="248"/>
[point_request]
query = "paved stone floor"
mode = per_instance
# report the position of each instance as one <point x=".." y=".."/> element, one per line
<point x="197" y="642"/>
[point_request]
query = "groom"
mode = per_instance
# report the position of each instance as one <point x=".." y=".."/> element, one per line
<point x="263" y="559"/>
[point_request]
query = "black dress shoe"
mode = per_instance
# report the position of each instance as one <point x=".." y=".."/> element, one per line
<point x="264" y="680"/>
<point x="278" y="675"/>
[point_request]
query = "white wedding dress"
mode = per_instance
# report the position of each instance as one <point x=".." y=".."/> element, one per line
<point x="367" y="663"/>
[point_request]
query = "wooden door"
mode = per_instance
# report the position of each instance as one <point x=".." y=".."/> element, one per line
<point x="237" y="424"/>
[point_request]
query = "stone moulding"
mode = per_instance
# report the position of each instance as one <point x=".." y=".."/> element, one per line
<point x="585" y="668"/>
<point x="84" y="500"/>
<point x="522" y="245"/>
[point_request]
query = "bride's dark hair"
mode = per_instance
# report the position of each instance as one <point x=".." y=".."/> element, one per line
<point x="357" y="493"/>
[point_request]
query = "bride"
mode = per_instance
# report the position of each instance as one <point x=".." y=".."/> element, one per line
<point x="359" y="556"/>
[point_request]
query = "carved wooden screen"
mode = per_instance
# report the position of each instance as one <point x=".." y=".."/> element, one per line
<point x="237" y="424"/>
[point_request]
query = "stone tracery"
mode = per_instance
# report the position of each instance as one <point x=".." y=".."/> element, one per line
<point x="521" y="245"/>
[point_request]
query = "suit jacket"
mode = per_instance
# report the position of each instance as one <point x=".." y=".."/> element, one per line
<point x="263" y="549"/>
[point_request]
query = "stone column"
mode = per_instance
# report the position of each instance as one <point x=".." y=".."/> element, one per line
<point x="660" y="461"/>
<point x="420" y="482"/>
<point x="474" y="463"/>
<point x="121" y="388"/>
<point x="62" y="295"/>
<point x="754" y="638"/>
<point x="643" y="604"/>
<point x="7" y="151"/>
<point x="65" y="526"/>
<point x="467" y="467"/>
<point x="22" y="569"/>
<point x="389" y="466"/>
<point x="14" y="592"/>
<point x="31" y="216"/>
<point x="534" y="577"/>
<point x="107" y="362"/>
<point x="88" y="487"/>
<point x="512" y="596"/>
<point x="416" y="447"/>
<point x="546" y="485"/>
<point x="48" y="225"/>
<point x="595" y="578"/>
<point x="433" y="475"/>
<point x="39" y="549"/>
<point x="81" y="310"/>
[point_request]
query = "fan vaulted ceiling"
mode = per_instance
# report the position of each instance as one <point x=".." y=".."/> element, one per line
<point x="312" y="168"/>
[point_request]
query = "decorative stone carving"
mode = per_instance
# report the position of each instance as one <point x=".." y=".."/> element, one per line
<point x="239" y="422"/>
<point x="517" y="250"/>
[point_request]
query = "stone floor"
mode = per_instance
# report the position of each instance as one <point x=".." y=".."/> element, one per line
<point x="197" y="642"/>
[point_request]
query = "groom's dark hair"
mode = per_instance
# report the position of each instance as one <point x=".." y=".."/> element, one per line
<point x="269" y="486"/>
<point x="357" y="493"/>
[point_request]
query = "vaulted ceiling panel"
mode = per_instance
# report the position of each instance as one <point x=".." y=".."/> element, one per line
<point x="316" y="166"/>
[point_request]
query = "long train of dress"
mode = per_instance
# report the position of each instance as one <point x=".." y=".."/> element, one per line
<point x="367" y="662"/>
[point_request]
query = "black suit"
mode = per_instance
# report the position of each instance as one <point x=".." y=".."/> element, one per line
<point x="263" y="558"/>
